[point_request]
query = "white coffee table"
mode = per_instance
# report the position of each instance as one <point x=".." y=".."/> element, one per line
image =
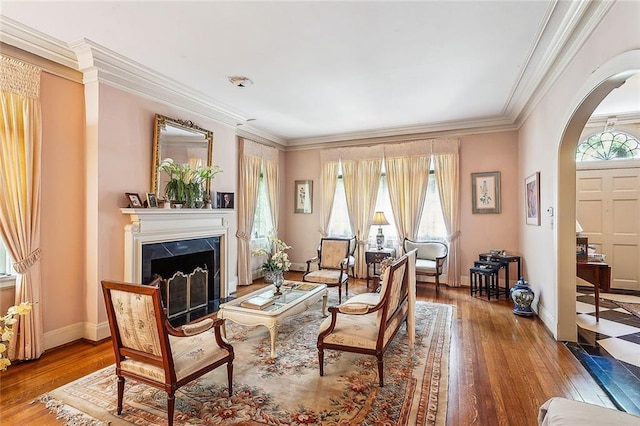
<point x="296" y="297"/>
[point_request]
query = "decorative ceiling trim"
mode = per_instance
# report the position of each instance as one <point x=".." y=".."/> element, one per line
<point x="34" y="42"/>
<point x="106" y="66"/>
<point x="579" y="26"/>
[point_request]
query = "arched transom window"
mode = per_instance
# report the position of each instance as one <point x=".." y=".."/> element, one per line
<point x="608" y="145"/>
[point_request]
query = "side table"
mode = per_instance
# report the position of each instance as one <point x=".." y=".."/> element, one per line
<point x="372" y="257"/>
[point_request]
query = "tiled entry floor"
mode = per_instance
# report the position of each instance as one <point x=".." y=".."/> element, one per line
<point x="610" y="348"/>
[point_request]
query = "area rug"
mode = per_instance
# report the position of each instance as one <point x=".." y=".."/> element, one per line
<point x="287" y="390"/>
<point x="634" y="308"/>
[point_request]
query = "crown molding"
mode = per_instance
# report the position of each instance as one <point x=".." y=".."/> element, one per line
<point x="578" y="24"/>
<point x="100" y="64"/>
<point x="400" y="134"/>
<point x="621" y="119"/>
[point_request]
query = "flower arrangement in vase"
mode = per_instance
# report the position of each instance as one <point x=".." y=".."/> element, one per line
<point x="186" y="182"/>
<point x="277" y="262"/>
<point x="6" y="330"/>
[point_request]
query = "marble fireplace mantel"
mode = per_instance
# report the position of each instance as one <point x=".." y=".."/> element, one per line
<point x="150" y="226"/>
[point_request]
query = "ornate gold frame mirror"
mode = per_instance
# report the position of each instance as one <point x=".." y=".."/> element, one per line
<point x="182" y="141"/>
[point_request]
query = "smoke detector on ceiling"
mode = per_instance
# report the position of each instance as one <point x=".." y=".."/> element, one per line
<point x="240" y="81"/>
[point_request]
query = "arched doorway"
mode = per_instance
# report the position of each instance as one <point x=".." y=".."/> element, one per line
<point x="609" y="76"/>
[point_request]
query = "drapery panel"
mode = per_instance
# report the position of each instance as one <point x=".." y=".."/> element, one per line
<point x="407" y="195"/>
<point x="20" y="174"/>
<point x="361" y="180"/>
<point x="272" y="183"/>
<point x="329" y="180"/>
<point x="447" y="172"/>
<point x="248" y="181"/>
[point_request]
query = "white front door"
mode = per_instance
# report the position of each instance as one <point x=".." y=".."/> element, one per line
<point x="608" y="208"/>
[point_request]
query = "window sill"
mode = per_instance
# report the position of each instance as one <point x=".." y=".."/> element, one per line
<point x="7" y="281"/>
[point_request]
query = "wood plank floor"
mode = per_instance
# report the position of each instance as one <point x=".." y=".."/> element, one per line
<point x="502" y="367"/>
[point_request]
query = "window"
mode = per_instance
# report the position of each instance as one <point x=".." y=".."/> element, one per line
<point x="262" y="225"/>
<point x="5" y="261"/>
<point x="608" y="145"/>
<point x="431" y="223"/>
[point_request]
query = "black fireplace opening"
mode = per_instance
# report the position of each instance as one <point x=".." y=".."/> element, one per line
<point x="184" y="257"/>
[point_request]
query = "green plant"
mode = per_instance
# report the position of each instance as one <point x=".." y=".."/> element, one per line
<point x="186" y="183"/>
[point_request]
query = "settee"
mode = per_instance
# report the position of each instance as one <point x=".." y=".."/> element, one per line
<point x="561" y="411"/>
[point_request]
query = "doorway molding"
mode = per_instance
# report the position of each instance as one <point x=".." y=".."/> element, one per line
<point x="603" y="80"/>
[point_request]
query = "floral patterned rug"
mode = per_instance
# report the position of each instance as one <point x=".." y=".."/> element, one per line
<point x="287" y="390"/>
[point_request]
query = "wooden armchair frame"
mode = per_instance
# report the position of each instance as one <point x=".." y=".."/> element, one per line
<point x="142" y="341"/>
<point x="332" y="265"/>
<point x="383" y="312"/>
<point x="430" y="258"/>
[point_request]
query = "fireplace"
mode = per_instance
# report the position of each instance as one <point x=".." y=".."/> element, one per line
<point x="182" y="264"/>
<point x="188" y="249"/>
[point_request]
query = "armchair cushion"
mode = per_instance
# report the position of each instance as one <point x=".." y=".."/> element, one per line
<point x="356" y="331"/>
<point x="326" y="276"/>
<point x="426" y="266"/>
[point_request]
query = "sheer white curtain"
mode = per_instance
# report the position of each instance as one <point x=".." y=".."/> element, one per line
<point x="447" y="172"/>
<point x="20" y="167"/>
<point x="329" y="179"/>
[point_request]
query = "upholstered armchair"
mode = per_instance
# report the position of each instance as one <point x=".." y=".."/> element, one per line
<point x="430" y="258"/>
<point x="368" y="322"/>
<point x="332" y="265"/>
<point x="352" y="259"/>
<point x="148" y="349"/>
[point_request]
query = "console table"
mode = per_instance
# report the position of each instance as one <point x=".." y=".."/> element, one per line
<point x="595" y="272"/>
<point x="374" y="256"/>
<point x="598" y="274"/>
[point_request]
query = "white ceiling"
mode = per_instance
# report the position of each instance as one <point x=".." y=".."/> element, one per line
<point x="330" y="69"/>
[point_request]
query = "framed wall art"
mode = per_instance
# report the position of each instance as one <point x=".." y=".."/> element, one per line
<point x="532" y="200"/>
<point x="303" y="196"/>
<point x="485" y="192"/>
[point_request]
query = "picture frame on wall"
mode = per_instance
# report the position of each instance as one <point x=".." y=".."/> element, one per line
<point x="485" y="192"/>
<point x="303" y="196"/>
<point x="134" y="200"/>
<point x="532" y="199"/>
<point x="225" y="200"/>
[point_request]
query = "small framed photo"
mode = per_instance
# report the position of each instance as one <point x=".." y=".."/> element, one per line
<point x="582" y="249"/>
<point x="532" y="200"/>
<point x="224" y="200"/>
<point x="134" y="200"/>
<point x="485" y="192"/>
<point x="303" y="196"/>
<point x="152" y="201"/>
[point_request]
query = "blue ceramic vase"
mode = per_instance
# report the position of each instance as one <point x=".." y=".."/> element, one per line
<point x="522" y="296"/>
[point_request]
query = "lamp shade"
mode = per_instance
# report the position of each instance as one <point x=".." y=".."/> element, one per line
<point x="380" y="219"/>
<point x="578" y="227"/>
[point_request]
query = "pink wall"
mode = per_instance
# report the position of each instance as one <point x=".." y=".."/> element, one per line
<point x="489" y="152"/>
<point x="62" y="226"/>
<point x="485" y="152"/>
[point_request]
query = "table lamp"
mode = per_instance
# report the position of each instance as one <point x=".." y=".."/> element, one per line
<point x="380" y="219"/>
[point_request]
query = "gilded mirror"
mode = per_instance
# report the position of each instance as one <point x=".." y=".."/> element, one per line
<point x="182" y="141"/>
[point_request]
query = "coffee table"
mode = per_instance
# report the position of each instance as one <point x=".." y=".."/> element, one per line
<point x="296" y="297"/>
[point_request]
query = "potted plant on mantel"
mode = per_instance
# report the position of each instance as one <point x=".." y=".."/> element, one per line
<point x="186" y="182"/>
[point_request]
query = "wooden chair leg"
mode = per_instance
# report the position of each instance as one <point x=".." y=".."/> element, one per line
<point x="171" y="404"/>
<point x="339" y="294"/>
<point x="321" y="361"/>
<point x="380" y="369"/>
<point x="120" y="393"/>
<point x="230" y="377"/>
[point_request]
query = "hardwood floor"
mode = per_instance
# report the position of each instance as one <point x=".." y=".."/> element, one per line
<point x="502" y="367"/>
